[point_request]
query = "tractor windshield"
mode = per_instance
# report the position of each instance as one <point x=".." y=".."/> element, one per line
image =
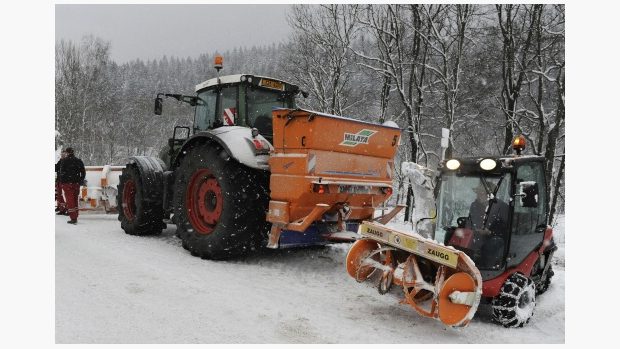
<point x="260" y="103"/>
<point x="473" y="216"/>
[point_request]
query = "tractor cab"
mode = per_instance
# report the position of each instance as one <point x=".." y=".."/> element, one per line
<point x="244" y="100"/>
<point x="241" y="100"/>
<point x="492" y="208"/>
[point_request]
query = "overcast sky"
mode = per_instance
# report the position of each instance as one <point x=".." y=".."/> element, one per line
<point x="152" y="31"/>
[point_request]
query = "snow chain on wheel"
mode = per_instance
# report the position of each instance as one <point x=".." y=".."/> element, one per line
<point x="220" y="205"/>
<point x="138" y="214"/>
<point x="514" y="305"/>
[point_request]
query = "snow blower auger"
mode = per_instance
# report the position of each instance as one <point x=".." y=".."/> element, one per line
<point x="437" y="281"/>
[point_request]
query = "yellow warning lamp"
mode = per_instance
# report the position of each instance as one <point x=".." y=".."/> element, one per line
<point x="218" y="62"/>
<point x="518" y="144"/>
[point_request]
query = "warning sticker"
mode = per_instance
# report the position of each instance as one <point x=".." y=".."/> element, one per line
<point x="229" y="116"/>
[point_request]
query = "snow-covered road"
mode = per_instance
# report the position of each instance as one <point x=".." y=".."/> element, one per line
<point x="116" y="288"/>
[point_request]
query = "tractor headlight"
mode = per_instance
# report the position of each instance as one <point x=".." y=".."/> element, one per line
<point x="488" y="164"/>
<point x="453" y="164"/>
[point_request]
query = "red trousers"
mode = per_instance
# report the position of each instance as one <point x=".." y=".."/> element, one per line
<point x="71" y="191"/>
<point x="60" y="200"/>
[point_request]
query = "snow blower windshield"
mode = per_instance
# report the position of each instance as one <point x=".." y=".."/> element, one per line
<point x="473" y="216"/>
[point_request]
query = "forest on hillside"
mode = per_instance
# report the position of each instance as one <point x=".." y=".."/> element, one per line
<point x="485" y="72"/>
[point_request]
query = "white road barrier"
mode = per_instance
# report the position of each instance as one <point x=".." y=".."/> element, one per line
<point x="100" y="190"/>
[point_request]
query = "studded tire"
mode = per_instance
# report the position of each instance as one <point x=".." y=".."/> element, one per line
<point x="514" y="305"/>
<point x="138" y="216"/>
<point x="220" y="205"/>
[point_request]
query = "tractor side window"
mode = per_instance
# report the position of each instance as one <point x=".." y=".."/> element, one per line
<point x="205" y="110"/>
<point x="228" y="106"/>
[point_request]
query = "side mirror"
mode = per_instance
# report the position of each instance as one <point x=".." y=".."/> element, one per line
<point x="158" y="105"/>
<point x="528" y="191"/>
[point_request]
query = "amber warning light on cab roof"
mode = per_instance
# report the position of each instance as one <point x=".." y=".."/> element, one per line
<point x="218" y="62"/>
<point x="518" y="144"/>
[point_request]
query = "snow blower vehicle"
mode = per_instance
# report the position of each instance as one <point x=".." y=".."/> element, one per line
<point x="491" y="243"/>
<point x="254" y="170"/>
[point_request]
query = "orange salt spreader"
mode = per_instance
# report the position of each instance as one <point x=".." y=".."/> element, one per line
<point x="328" y="173"/>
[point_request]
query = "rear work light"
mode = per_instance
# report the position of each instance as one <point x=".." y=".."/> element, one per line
<point x="320" y="188"/>
<point x="386" y="190"/>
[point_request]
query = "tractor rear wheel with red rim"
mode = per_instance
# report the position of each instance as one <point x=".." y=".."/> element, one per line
<point x="204" y="201"/>
<point x="220" y="205"/>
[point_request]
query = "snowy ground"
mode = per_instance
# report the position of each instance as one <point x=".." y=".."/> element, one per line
<point x="116" y="288"/>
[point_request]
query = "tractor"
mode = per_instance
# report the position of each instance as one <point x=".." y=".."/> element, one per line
<point x="254" y="170"/>
<point x="491" y="243"/>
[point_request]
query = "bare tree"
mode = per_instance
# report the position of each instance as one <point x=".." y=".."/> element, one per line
<point x="517" y="24"/>
<point x="400" y="60"/>
<point x="447" y="38"/>
<point x="541" y="76"/>
<point x="321" y="60"/>
<point x="80" y="88"/>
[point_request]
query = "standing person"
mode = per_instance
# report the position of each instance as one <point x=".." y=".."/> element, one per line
<point x="61" y="206"/>
<point x="72" y="173"/>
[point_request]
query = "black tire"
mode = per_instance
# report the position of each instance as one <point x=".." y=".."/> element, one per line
<point x="137" y="215"/>
<point x="219" y="205"/>
<point x="543" y="284"/>
<point x="514" y="305"/>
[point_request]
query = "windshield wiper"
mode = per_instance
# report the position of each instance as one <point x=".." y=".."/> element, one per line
<point x="491" y="195"/>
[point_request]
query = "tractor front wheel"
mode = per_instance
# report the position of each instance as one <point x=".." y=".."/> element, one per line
<point x="220" y="205"/>
<point x="514" y="305"/>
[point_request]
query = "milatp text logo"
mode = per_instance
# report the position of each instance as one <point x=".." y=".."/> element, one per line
<point x="353" y="139"/>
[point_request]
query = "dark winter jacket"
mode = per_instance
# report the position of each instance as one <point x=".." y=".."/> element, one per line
<point x="71" y="170"/>
<point x="57" y="169"/>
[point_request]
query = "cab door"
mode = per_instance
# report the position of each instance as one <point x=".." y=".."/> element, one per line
<point x="529" y="218"/>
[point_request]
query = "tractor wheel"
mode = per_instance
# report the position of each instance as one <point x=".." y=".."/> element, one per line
<point x="514" y="306"/>
<point x="543" y="284"/>
<point x="219" y="205"/>
<point x="137" y="215"/>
